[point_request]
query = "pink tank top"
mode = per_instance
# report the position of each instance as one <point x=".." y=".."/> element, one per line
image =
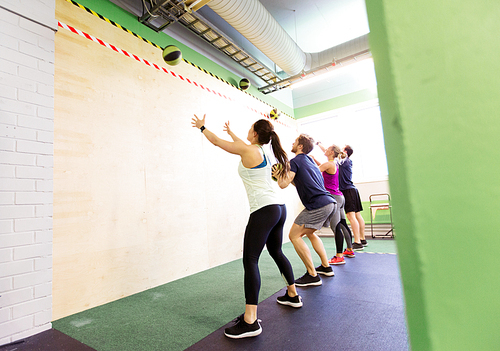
<point x="332" y="182"/>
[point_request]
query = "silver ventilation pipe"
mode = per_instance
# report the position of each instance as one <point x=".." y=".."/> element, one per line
<point x="254" y="22"/>
<point x="352" y="47"/>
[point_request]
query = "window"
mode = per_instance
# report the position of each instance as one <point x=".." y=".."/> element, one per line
<point x="360" y="126"/>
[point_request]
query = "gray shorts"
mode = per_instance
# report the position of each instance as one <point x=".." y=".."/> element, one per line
<point x="317" y="218"/>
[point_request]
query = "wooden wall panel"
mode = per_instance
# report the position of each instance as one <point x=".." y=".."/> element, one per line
<point x="140" y="197"/>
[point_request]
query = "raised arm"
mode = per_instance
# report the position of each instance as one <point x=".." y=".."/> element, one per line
<point x="329" y="167"/>
<point x="236" y="147"/>
<point x="230" y="132"/>
<point x="316" y="161"/>
<point x="321" y="146"/>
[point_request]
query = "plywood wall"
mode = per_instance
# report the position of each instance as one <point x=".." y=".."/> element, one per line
<point x="140" y="197"/>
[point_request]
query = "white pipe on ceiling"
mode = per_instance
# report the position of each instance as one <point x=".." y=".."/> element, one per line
<point x="254" y="22"/>
<point x="337" y="53"/>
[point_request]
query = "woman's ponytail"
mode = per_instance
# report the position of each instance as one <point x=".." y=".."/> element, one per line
<point x="279" y="154"/>
<point x="266" y="134"/>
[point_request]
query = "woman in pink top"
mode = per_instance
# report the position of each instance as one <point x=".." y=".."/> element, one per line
<point x="330" y="173"/>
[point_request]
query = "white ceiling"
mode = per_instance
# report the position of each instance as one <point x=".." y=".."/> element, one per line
<point x="316" y="25"/>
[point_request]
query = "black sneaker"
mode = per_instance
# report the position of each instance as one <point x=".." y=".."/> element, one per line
<point x="364" y="243"/>
<point x="357" y="247"/>
<point x="308" y="280"/>
<point x="328" y="271"/>
<point x="295" y="301"/>
<point x="242" y="329"/>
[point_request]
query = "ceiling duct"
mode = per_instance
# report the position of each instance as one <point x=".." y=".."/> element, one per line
<point x="355" y="47"/>
<point x="253" y="21"/>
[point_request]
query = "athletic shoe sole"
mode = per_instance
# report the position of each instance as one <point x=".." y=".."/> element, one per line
<point x="337" y="263"/>
<point x="328" y="274"/>
<point x="310" y="284"/>
<point x="292" y="304"/>
<point x="245" y="335"/>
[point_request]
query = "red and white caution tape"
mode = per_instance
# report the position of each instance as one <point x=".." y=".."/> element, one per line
<point x="154" y="65"/>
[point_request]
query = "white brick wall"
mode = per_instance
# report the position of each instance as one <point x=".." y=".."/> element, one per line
<point x="27" y="31"/>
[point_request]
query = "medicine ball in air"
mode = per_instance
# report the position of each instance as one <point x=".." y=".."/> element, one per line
<point x="274" y="114"/>
<point x="172" y="55"/>
<point x="244" y="84"/>
<point x="276" y="166"/>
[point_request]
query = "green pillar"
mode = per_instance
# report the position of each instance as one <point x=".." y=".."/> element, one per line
<point x="437" y="66"/>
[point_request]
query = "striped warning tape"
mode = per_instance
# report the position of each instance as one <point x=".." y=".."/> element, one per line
<point x="137" y="58"/>
<point x="152" y="64"/>
<point x="157" y="46"/>
<point x="92" y="12"/>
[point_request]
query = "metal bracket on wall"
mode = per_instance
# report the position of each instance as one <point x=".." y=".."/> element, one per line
<point x="167" y="12"/>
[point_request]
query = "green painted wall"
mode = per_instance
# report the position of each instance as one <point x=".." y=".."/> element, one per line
<point x="381" y="216"/>
<point x="129" y="21"/>
<point x="437" y="72"/>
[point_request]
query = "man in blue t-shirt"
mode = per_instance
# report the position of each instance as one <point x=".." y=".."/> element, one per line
<point x="353" y="206"/>
<point x="319" y="209"/>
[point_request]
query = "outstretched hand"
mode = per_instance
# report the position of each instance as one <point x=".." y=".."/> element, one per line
<point x="198" y="123"/>
<point x="227" y="128"/>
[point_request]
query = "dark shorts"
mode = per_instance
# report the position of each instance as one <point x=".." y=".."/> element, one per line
<point x="352" y="200"/>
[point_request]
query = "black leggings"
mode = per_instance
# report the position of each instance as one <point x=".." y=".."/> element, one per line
<point x="342" y="231"/>
<point x="265" y="227"/>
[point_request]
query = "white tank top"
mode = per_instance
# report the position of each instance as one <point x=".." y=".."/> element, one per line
<point x="259" y="185"/>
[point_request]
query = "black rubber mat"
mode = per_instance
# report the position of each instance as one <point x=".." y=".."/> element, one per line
<point x="360" y="308"/>
<point x="50" y="340"/>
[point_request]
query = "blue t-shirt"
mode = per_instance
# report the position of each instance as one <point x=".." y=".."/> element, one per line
<point x="309" y="183"/>
<point x="345" y="174"/>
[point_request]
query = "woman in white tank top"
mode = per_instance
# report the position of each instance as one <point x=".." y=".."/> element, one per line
<point x="267" y="216"/>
